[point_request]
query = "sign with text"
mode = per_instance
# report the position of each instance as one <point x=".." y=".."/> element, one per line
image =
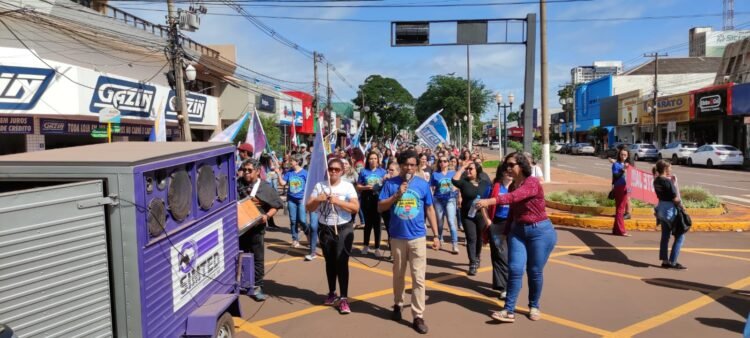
<point x="130" y="98"/>
<point x="267" y="103"/>
<point x="627" y="108"/>
<point x="16" y="125"/>
<point x="196" y="106"/>
<point x="673" y="108"/>
<point x="72" y="127"/>
<point x="641" y="185"/>
<point x="21" y="87"/>
<point x="712" y="103"/>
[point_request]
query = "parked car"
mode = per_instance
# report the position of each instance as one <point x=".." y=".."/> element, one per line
<point x="612" y="151"/>
<point x="716" y="155"/>
<point x="565" y="149"/>
<point x="678" y="151"/>
<point x="640" y="151"/>
<point x="494" y="145"/>
<point x="583" y="148"/>
<point x="556" y="147"/>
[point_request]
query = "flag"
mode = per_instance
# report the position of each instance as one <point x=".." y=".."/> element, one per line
<point x="333" y="141"/>
<point x="367" y="147"/>
<point x="316" y="170"/>
<point x="434" y="131"/>
<point x="358" y="135"/>
<point x="295" y="142"/>
<point x="159" y="131"/>
<point x="228" y="134"/>
<point x="256" y="135"/>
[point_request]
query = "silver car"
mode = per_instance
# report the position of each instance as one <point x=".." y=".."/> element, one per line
<point x="641" y="151"/>
<point x="583" y="149"/>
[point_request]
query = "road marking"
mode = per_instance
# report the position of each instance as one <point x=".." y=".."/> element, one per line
<point x="566" y="166"/>
<point x="605" y="272"/>
<point x="681" y="310"/>
<point x="743" y="200"/>
<point x="722" y="186"/>
<point x="717" y="255"/>
<point x="639" y="248"/>
<point x="243" y="326"/>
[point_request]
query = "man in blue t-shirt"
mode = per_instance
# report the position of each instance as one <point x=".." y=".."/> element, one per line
<point x="409" y="199"/>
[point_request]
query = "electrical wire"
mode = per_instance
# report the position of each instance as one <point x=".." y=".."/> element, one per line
<point x="247" y="3"/>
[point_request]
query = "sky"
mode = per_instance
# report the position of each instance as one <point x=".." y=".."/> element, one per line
<point x="579" y="33"/>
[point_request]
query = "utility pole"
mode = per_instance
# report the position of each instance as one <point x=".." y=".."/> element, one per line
<point x="329" y="93"/>
<point x="545" y="111"/>
<point x="175" y="48"/>
<point x="315" y="89"/>
<point x="468" y="97"/>
<point x="654" y="107"/>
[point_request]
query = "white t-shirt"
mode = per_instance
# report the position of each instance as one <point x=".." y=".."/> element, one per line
<point x="335" y="215"/>
<point x="536" y="171"/>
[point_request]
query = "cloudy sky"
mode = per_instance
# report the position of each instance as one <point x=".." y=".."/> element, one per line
<point x="579" y="33"/>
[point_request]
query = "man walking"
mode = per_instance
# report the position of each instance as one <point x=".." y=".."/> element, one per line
<point x="408" y="198"/>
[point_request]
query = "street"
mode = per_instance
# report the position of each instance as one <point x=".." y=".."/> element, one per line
<point x="732" y="186"/>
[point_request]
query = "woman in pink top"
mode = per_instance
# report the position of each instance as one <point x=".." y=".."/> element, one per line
<point x="531" y="236"/>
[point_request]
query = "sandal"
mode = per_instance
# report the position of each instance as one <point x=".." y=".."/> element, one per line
<point x="503" y="316"/>
<point x="535" y="314"/>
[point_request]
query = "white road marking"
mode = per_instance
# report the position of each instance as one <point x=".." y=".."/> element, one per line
<point x="743" y="200"/>
<point x="601" y="165"/>
<point x="566" y="166"/>
<point x="721" y="186"/>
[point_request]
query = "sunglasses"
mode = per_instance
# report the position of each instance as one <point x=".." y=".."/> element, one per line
<point x="247" y="170"/>
<point x="443" y="161"/>
<point x="334" y="170"/>
<point x="511" y="165"/>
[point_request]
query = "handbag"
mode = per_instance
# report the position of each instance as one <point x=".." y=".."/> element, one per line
<point x="611" y="194"/>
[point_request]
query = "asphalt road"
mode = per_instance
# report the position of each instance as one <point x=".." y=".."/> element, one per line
<point x="732" y="186"/>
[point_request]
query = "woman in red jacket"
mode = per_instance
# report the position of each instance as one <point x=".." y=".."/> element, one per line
<point x="531" y="236"/>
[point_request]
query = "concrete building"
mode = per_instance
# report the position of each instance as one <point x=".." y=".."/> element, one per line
<point x="584" y="74"/>
<point x="704" y="41"/>
<point x="735" y="63"/>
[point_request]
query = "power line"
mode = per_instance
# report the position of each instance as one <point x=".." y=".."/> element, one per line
<point x="250" y="3"/>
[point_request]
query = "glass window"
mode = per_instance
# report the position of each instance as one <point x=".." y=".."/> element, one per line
<point x="648" y="146"/>
<point x="726" y="148"/>
<point x="689" y="145"/>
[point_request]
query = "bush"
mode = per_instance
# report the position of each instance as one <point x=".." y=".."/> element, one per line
<point x="536" y="149"/>
<point x="490" y="164"/>
<point x="697" y="197"/>
<point x="692" y="197"/>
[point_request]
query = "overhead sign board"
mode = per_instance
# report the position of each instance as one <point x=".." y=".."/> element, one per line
<point x="109" y="115"/>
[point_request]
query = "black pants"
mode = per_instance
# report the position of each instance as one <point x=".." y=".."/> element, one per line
<point x="473" y="228"/>
<point x="252" y="242"/>
<point x="499" y="254"/>
<point x="372" y="219"/>
<point x="336" y="250"/>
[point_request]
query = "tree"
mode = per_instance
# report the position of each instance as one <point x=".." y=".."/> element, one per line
<point x="389" y="101"/>
<point x="273" y="133"/>
<point x="448" y="92"/>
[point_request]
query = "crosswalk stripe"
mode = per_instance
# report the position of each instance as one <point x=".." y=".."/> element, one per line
<point x="743" y="200"/>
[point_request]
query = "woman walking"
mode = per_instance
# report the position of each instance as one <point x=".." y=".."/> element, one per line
<point x="666" y="211"/>
<point x="445" y="200"/>
<point x="368" y="184"/>
<point x="423" y="167"/>
<point x="620" y="189"/>
<point x="336" y="202"/>
<point x="531" y="239"/>
<point x="497" y="218"/>
<point x="295" y="179"/>
<point x="472" y="188"/>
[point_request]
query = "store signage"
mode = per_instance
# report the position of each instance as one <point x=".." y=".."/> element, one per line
<point x="267" y="103"/>
<point x="196" y="107"/>
<point x="72" y="127"/>
<point x="16" y="125"/>
<point x="711" y="104"/>
<point x="627" y="111"/>
<point x="21" y="87"/>
<point x="674" y="108"/>
<point x="131" y="98"/>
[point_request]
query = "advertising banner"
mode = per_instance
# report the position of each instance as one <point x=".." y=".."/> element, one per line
<point x="711" y="103"/>
<point x="72" y="127"/>
<point x="628" y="108"/>
<point x="741" y="99"/>
<point x="717" y="41"/>
<point x="16" y="124"/>
<point x="641" y="185"/>
<point x="673" y="108"/>
<point x="434" y="131"/>
<point x="267" y="103"/>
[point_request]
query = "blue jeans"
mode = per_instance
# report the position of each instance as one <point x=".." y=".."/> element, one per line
<point x="312" y="232"/>
<point x="665" y="213"/>
<point x="447" y="208"/>
<point x="296" y="216"/>
<point x="529" y="246"/>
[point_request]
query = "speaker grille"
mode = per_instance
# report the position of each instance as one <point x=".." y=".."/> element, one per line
<point x="179" y="195"/>
<point x="206" y="187"/>
<point x="157" y="217"/>
<point x="223" y="187"/>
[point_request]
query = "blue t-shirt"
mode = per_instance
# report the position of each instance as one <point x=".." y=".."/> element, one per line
<point x="442" y="184"/>
<point x="296" y="182"/>
<point x="501" y="211"/>
<point x="618" y="167"/>
<point x="371" y="177"/>
<point x="407" y="214"/>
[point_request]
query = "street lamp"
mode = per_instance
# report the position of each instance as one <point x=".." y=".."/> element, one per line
<point x="567" y="103"/>
<point x="504" y="139"/>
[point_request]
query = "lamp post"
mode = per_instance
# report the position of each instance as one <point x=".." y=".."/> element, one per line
<point x="504" y="139"/>
<point x="567" y="104"/>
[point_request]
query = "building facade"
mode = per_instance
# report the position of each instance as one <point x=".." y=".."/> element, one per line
<point x="584" y="74"/>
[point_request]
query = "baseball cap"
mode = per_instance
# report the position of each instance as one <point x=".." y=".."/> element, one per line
<point x="246" y="147"/>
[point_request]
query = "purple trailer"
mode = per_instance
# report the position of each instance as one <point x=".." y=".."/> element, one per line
<point x="132" y="240"/>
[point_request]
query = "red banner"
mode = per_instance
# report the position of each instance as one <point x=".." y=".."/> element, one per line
<point x="641" y="185"/>
<point x="307" y="118"/>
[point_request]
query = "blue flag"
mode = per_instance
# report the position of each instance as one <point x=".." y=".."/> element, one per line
<point x="316" y="171"/>
<point x="434" y="131"/>
<point x="228" y="135"/>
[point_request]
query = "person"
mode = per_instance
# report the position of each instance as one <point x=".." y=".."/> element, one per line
<point x="295" y="179"/>
<point x="453" y="163"/>
<point x="497" y="218"/>
<point x="444" y="194"/>
<point x="430" y="157"/>
<point x="531" y="236"/>
<point x="620" y="189"/>
<point x="408" y="199"/>
<point x="268" y="202"/>
<point x="631" y="163"/>
<point x="391" y="172"/>
<point x="368" y="184"/>
<point x="349" y="175"/>
<point x="335" y="202"/>
<point x="387" y="158"/>
<point x="482" y="175"/>
<point x="424" y="169"/>
<point x="304" y="155"/>
<point x="536" y="170"/>
<point x="244" y="152"/>
<point x="666" y="210"/>
<point x="471" y="187"/>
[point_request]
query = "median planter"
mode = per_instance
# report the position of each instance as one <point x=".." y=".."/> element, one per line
<point x="610" y="211"/>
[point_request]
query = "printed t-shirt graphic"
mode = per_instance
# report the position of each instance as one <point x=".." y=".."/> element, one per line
<point x="407" y="214"/>
<point x="296" y="182"/>
<point x="442" y="184"/>
<point x="408" y="206"/>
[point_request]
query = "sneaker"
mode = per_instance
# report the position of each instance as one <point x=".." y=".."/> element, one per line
<point x="419" y="325"/>
<point x="258" y="294"/>
<point x="344" y="307"/>
<point x="503" y="295"/>
<point x="396" y="314"/>
<point x="504" y="316"/>
<point x="472" y="270"/>
<point x="535" y="314"/>
<point x="295" y="244"/>
<point x="365" y="250"/>
<point x="666" y="264"/>
<point x="331" y="299"/>
<point x="626" y="216"/>
<point x="455" y="249"/>
<point x="310" y="257"/>
<point x="678" y="266"/>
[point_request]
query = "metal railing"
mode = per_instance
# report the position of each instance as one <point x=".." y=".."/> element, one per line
<point x="132" y="20"/>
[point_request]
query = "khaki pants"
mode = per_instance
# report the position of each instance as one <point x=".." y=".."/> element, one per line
<point x="413" y="252"/>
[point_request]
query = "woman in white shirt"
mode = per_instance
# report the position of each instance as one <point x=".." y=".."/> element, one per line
<point x="536" y="171"/>
<point x="335" y="202"/>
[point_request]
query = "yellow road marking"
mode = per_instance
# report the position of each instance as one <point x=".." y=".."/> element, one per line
<point x="716" y="255"/>
<point x="243" y="326"/>
<point x="605" y="272"/>
<point x="639" y="248"/>
<point x="681" y="310"/>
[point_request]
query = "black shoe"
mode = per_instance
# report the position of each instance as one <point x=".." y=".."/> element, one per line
<point x="666" y="265"/>
<point x="472" y="270"/>
<point x="678" y="266"/>
<point x="627" y="216"/>
<point x="396" y="315"/>
<point x="419" y="325"/>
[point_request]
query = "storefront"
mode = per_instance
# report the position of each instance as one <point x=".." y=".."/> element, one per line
<point x="709" y="108"/>
<point x="628" y="115"/>
<point x="673" y="117"/>
<point x="588" y="105"/>
<point x="740" y="117"/>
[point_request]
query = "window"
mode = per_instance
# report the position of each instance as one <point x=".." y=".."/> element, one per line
<point x="726" y="148"/>
<point x="670" y="146"/>
<point x="689" y="145"/>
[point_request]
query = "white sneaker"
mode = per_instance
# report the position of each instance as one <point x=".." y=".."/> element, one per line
<point x="366" y="250"/>
<point x="455" y="248"/>
<point x="310" y="257"/>
<point x="295" y="244"/>
<point x="378" y="253"/>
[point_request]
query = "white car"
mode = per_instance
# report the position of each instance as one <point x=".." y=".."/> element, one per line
<point x="678" y="151"/>
<point x="494" y="145"/>
<point x="641" y="151"/>
<point x="716" y="155"/>
<point x="556" y="147"/>
<point x="583" y="148"/>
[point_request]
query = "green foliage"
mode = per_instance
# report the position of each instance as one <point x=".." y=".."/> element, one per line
<point x="390" y="101"/>
<point x="490" y="164"/>
<point x="449" y="93"/>
<point x="697" y="197"/>
<point x="692" y="197"/>
<point x="536" y="149"/>
<point x="273" y="133"/>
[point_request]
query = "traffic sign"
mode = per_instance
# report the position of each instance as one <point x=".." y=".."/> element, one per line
<point x="109" y="115"/>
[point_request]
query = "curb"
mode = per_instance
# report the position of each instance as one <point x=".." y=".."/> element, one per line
<point x="605" y="223"/>
<point x="610" y="211"/>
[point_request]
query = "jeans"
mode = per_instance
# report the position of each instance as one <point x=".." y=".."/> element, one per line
<point x="665" y="213"/>
<point x="447" y="208"/>
<point x="296" y="217"/>
<point x="336" y="250"/>
<point x="272" y="179"/>
<point x="499" y="254"/>
<point x="529" y="247"/>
